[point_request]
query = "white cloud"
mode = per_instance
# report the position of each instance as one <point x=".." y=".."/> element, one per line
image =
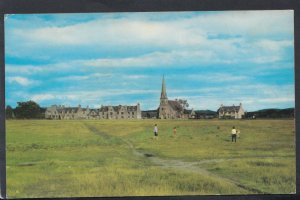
<point x="24" y="69"/>
<point x="134" y="77"/>
<point x="273" y="45"/>
<point x="172" y="40"/>
<point x="289" y="99"/>
<point x="87" y="95"/>
<point x="189" y="31"/>
<point x="20" y="80"/>
<point x="218" y="77"/>
<point x="102" y="32"/>
<point x="42" y="97"/>
<point x="83" y="77"/>
<point x="155" y="59"/>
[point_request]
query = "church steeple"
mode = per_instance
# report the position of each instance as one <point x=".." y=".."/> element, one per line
<point x="163" y="95"/>
<point x="163" y="89"/>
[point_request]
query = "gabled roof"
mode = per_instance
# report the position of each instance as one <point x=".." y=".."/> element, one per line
<point x="175" y="105"/>
<point x="118" y="108"/>
<point x="66" y="109"/>
<point x="131" y="108"/>
<point x="96" y="111"/>
<point x="229" y="108"/>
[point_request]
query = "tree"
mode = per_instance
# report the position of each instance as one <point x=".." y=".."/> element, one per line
<point x="183" y="102"/>
<point x="28" y="110"/>
<point x="9" y="112"/>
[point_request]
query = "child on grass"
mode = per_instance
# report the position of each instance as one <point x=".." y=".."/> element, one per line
<point x="174" y="131"/>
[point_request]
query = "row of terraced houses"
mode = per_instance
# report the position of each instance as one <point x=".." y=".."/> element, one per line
<point x="168" y="109"/>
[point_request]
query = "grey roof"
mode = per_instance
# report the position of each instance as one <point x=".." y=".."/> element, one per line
<point x="175" y="105"/>
<point x="118" y="108"/>
<point x="131" y="108"/>
<point x="229" y="108"/>
<point x="92" y="111"/>
<point x="62" y="109"/>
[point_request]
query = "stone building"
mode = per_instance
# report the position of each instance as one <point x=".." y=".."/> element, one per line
<point x="105" y="112"/>
<point x="189" y="114"/>
<point x="120" y="112"/>
<point x="169" y="109"/>
<point x="231" y="112"/>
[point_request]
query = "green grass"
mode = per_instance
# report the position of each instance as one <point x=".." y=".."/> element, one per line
<point x="106" y="158"/>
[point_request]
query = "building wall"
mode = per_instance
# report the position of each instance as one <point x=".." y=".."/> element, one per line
<point x="60" y="112"/>
<point x="241" y="113"/>
<point x="232" y="114"/>
<point x="166" y="112"/>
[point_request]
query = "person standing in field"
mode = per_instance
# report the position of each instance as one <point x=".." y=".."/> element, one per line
<point x="174" y="131"/>
<point x="155" y="130"/>
<point x="238" y="133"/>
<point x="233" y="134"/>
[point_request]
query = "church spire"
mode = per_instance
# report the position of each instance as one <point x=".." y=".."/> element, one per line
<point x="163" y="89"/>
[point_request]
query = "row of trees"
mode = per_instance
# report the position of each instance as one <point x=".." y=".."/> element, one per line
<point x="25" y="110"/>
<point x="271" y="113"/>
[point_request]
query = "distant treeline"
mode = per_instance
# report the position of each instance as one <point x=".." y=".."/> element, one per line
<point x="205" y="114"/>
<point x="271" y="113"/>
<point x="32" y="110"/>
<point x="265" y="113"/>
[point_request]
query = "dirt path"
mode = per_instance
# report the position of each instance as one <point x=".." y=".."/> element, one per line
<point x="190" y="167"/>
<point x="178" y="164"/>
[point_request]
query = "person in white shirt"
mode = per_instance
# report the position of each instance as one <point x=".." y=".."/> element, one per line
<point x="155" y="131"/>
<point x="233" y="134"/>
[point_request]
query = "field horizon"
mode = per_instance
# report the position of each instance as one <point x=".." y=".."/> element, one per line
<point x="89" y="158"/>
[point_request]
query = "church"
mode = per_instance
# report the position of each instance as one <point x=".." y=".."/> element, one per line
<point x="171" y="109"/>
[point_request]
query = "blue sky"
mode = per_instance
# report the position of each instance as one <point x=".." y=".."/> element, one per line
<point x="208" y="58"/>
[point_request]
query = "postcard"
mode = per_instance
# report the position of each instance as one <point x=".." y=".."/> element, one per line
<point x="150" y="104"/>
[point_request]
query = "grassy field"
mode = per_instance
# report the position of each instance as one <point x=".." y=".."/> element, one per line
<point x="120" y="158"/>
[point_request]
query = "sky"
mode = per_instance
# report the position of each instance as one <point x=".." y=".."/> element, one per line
<point x="207" y="58"/>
